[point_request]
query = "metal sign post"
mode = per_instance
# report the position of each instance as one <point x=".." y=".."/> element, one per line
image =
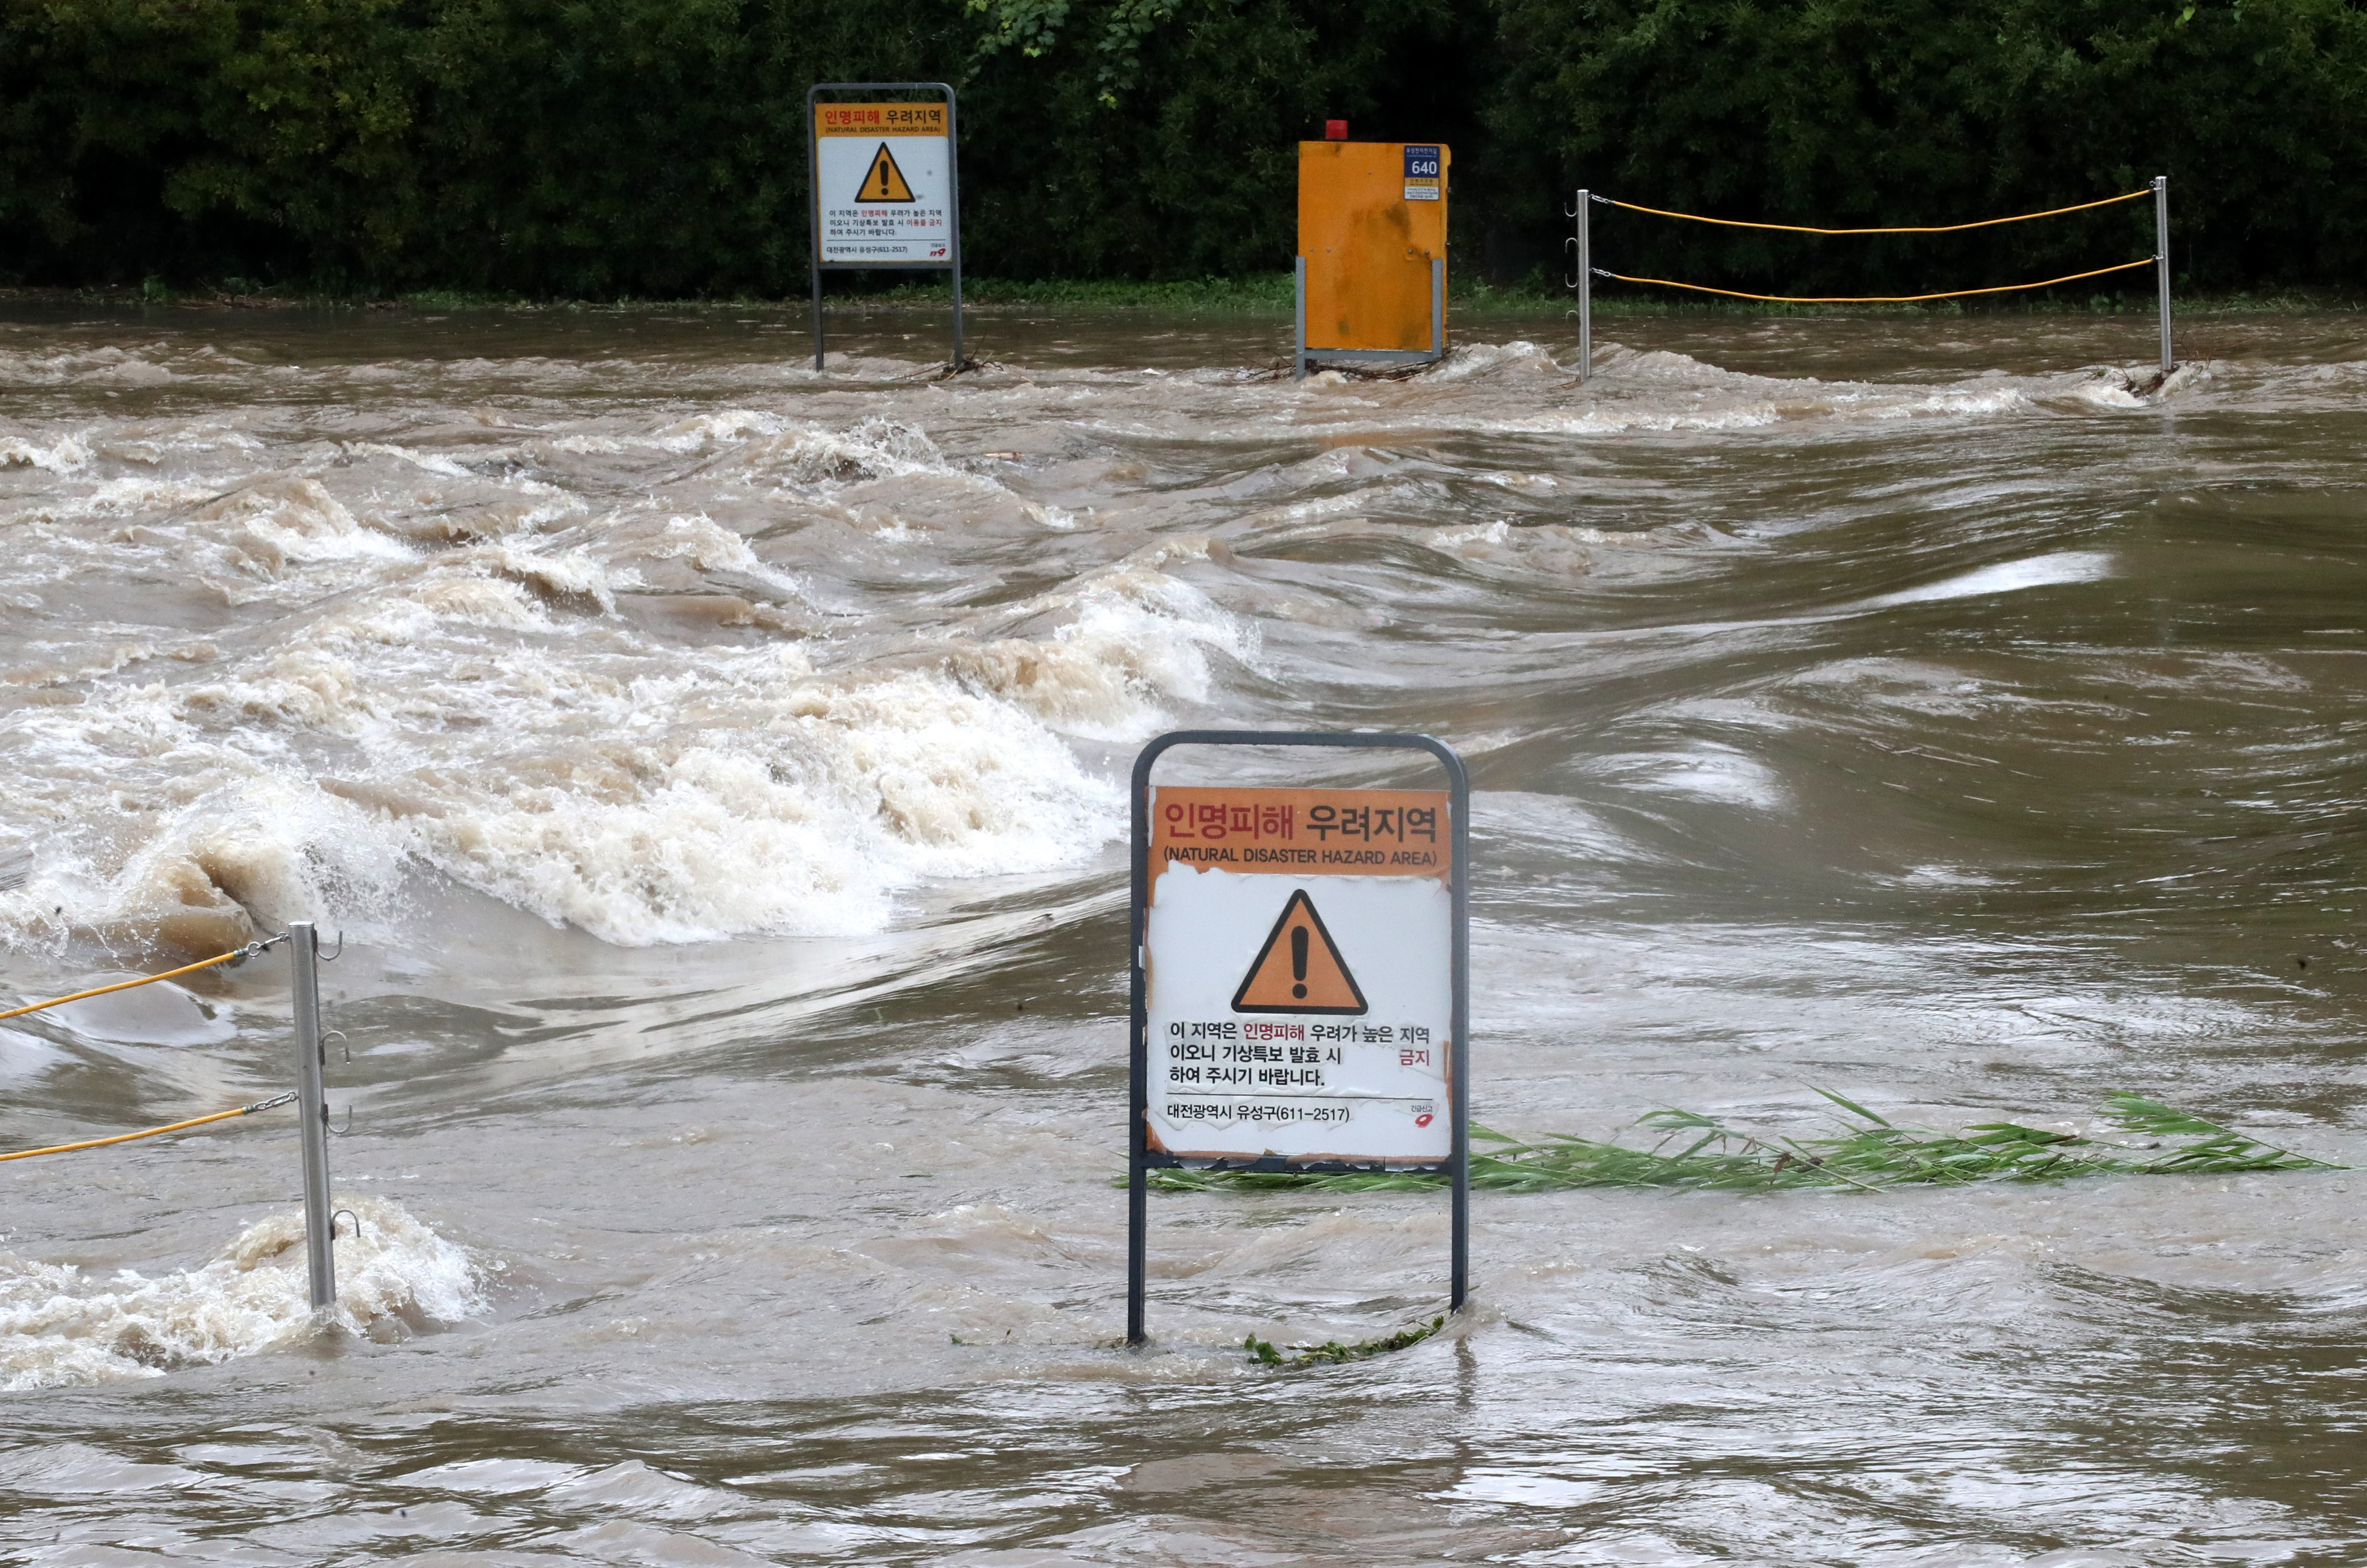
<point x="313" y="1106"/>
<point x="2161" y="262"/>
<point x="1301" y="976"/>
<point x="885" y="186"/>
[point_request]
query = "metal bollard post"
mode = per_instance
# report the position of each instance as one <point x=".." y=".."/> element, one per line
<point x="952" y="190"/>
<point x="1438" y="307"/>
<point x="817" y="308"/>
<point x="2161" y="262"/>
<point x="312" y="1105"/>
<point x="1299" y="332"/>
<point x="1585" y="289"/>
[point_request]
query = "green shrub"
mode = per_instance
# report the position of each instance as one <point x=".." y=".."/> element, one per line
<point x="1880" y="112"/>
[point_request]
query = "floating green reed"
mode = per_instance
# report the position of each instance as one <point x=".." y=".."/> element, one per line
<point x="1263" y="1352"/>
<point x="1870" y="1153"/>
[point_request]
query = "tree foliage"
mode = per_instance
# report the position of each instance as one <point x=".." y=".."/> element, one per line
<point x="657" y="147"/>
<point x="1844" y="113"/>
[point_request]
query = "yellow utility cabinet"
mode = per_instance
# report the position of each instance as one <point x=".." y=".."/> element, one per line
<point x="1372" y="252"/>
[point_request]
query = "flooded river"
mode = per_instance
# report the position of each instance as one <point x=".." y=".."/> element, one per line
<point x="717" y="773"/>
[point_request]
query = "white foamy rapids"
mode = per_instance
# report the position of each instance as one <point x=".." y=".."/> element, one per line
<point x="60" y="1325"/>
<point x="61" y="455"/>
<point x="790" y="801"/>
<point x="1668" y="392"/>
<point x="806" y="455"/>
<point x="490" y="709"/>
<point x="1518" y="357"/>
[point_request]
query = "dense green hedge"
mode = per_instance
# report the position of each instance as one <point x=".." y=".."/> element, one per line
<point x="656" y="147"/>
<point x="1870" y="112"/>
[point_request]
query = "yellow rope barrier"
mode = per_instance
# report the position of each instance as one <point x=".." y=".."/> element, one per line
<point x="249" y="950"/>
<point x="1926" y="229"/>
<point x="1862" y="299"/>
<point x="152" y="1131"/>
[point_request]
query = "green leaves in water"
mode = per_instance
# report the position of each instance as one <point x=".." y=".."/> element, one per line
<point x="1333" y="1352"/>
<point x="1869" y="1154"/>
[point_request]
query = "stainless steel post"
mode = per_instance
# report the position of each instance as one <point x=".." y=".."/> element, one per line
<point x="817" y="317"/>
<point x="1585" y="287"/>
<point x="2161" y="262"/>
<point x="1438" y="307"/>
<point x="311" y="1101"/>
<point x="1299" y="332"/>
<point x="953" y="180"/>
<point x="813" y="216"/>
<point x="1458" y="1286"/>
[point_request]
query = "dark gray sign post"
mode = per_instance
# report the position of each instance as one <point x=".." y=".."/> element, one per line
<point x="868" y="208"/>
<point x="1302" y="992"/>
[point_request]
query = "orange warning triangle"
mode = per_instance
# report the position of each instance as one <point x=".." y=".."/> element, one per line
<point x="883" y="181"/>
<point x="1298" y="969"/>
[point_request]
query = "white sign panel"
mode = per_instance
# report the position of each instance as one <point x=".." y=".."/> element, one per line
<point x="1299" y="965"/>
<point x="883" y="177"/>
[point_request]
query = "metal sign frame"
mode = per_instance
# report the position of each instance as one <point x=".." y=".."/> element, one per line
<point x="814" y="202"/>
<point x="1141" y="1156"/>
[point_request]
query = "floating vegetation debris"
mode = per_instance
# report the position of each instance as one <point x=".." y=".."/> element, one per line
<point x="1333" y="1352"/>
<point x="1870" y="1153"/>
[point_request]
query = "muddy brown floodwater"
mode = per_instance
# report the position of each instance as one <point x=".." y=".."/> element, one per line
<point x="717" y="771"/>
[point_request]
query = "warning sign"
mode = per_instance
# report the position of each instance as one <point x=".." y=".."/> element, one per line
<point x="886" y="181"/>
<point x="1298" y="969"/>
<point x="883" y="184"/>
<point x="1299" y="974"/>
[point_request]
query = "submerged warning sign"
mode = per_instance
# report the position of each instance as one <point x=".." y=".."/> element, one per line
<point x="1299" y="974"/>
<point x="883" y="184"/>
<point x="1300" y="977"/>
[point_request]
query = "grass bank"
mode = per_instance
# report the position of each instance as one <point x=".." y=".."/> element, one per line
<point x="1255" y="294"/>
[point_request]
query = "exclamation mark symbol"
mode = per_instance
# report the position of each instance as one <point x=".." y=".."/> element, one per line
<point x="1299" y="962"/>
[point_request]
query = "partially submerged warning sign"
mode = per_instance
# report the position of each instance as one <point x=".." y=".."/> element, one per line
<point x="1297" y="955"/>
<point x="886" y="188"/>
<point x="1301" y="985"/>
<point x="883" y="184"/>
